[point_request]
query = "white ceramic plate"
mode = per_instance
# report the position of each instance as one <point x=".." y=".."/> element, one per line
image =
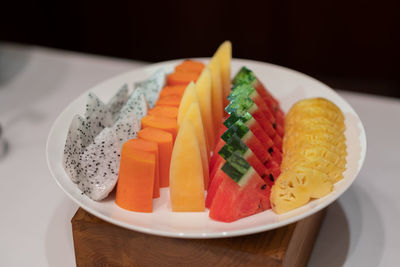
<point x="286" y="85"/>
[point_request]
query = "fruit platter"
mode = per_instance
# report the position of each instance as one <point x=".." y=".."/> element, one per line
<point x="206" y="147"/>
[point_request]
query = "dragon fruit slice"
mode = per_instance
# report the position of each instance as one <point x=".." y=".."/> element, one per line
<point x="99" y="164"/>
<point x="100" y="160"/>
<point x="152" y="86"/>
<point x="118" y="101"/>
<point x="98" y="115"/>
<point x="136" y="104"/>
<point x="78" y="138"/>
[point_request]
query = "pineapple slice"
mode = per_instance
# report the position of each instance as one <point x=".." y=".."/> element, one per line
<point x="314" y="154"/>
<point x="313" y="112"/>
<point x="322" y="165"/>
<point x="288" y="193"/>
<point x="317" y="102"/>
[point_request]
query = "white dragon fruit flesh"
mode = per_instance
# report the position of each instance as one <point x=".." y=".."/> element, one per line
<point x="152" y="86"/>
<point x="136" y="104"/>
<point x="118" y="101"/>
<point x="97" y="114"/>
<point x="93" y="146"/>
<point x="100" y="160"/>
<point x="78" y="138"/>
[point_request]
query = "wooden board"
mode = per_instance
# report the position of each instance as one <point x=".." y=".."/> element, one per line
<point x="98" y="243"/>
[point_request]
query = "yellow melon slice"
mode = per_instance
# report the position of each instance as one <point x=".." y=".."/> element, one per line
<point x="188" y="98"/>
<point x="186" y="171"/>
<point x="224" y="55"/>
<point x="203" y="88"/>
<point x="194" y="116"/>
<point x="216" y="92"/>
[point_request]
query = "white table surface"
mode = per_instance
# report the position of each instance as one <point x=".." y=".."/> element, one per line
<point x="36" y="84"/>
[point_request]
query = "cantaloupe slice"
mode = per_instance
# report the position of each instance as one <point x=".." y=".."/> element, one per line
<point x="188" y="98"/>
<point x="194" y="116"/>
<point x="203" y="88"/>
<point x="186" y="171"/>
<point x="224" y="55"/>
<point x="217" y="92"/>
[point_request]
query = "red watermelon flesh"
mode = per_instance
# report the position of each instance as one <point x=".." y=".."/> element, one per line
<point x="218" y="164"/>
<point x="259" y="116"/>
<point x="274" y="169"/>
<point x="256" y="146"/>
<point x="278" y="142"/>
<point x="276" y="155"/>
<point x="215" y="154"/>
<point x="215" y="182"/>
<point x="256" y="129"/>
<point x="233" y="202"/>
<point x="280" y="117"/>
<point x="272" y="103"/>
<point x="260" y="103"/>
<point x="279" y="130"/>
<point x="258" y="166"/>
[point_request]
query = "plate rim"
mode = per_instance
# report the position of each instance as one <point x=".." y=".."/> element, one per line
<point x="196" y="235"/>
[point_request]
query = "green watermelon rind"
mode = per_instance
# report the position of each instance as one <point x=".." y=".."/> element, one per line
<point x="234" y="143"/>
<point x="238" y="169"/>
<point x="244" y="75"/>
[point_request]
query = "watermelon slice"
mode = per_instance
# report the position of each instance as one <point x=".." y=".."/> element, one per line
<point x="215" y="181"/>
<point x="214" y="157"/>
<point x="247" y="76"/>
<point x="245" y="89"/>
<point x="253" y="125"/>
<point x="247" y="136"/>
<point x="242" y="104"/>
<point x="233" y="144"/>
<point x="241" y="191"/>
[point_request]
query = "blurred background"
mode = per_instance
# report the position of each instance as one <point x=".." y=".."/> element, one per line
<point x="351" y="45"/>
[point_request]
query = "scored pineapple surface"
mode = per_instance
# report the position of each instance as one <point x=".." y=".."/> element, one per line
<point x="314" y="154"/>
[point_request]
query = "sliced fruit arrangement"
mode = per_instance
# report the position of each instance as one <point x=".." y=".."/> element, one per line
<point x="194" y="131"/>
<point x="249" y="154"/>
<point x="314" y="154"/>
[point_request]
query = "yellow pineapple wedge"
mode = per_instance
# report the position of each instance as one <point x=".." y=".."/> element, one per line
<point x="314" y="154"/>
